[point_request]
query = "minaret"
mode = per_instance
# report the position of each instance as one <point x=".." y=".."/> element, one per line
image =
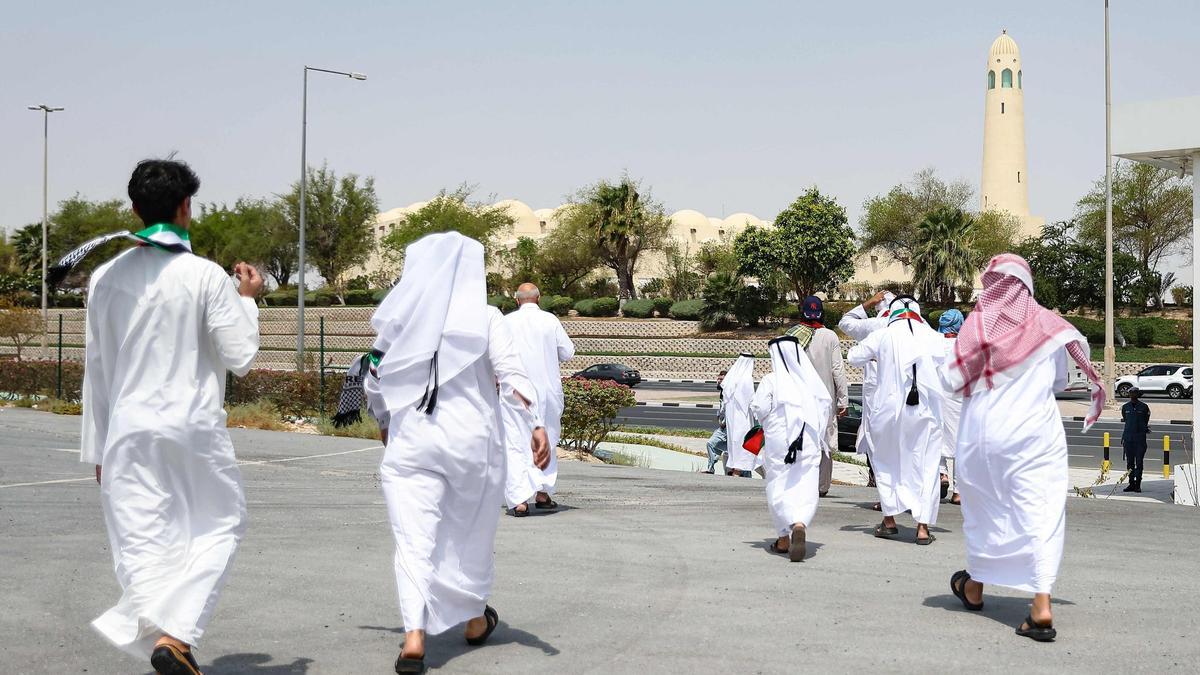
<point x="1005" y="179"/>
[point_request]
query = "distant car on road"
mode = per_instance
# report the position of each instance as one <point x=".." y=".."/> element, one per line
<point x="1172" y="379"/>
<point x="848" y="426"/>
<point x="619" y="373"/>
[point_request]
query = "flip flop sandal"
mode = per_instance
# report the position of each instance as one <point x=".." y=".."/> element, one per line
<point x="945" y="488"/>
<point x="883" y="532"/>
<point x="956" y="500"/>
<point x="1042" y="632"/>
<point x="546" y="505"/>
<point x="925" y="541"/>
<point x="958" y="586"/>
<point x="796" y="548"/>
<point x="171" y="660"/>
<point x="407" y="666"/>
<point x="493" y="620"/>
<point x="519" y="514"/>
<point x="774" y="548"/>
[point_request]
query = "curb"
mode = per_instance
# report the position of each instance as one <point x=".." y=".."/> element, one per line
<point x="681" y="381"/>
<point x="668" y="404"/>
<point x="1117" y="420"/>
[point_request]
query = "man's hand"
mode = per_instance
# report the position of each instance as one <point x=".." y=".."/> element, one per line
<point x="97" y="474"/>
<point x="541" y="448"/>
<point x="842" y="412"/>
<point x="250" y="282"/>
<point x="383" y="435"/>
<point x="875" y="299"/>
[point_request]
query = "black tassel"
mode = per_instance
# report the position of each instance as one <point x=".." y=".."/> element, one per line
<point x="913" y="396"/>
<point x="346" y="419"/>
<point x="429" y="400"/>
<point x="796" y="447"/>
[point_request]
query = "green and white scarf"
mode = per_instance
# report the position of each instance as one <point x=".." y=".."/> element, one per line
<point x="165" y="236"/>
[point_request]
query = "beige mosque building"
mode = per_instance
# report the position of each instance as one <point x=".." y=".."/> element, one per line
<point x="1004" y="185"/>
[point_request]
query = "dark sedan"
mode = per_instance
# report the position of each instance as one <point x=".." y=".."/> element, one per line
<point x="621" y="374"/>
<point x="848" y="427"/>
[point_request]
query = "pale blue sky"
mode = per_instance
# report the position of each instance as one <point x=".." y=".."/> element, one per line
<point x="719" y="106"/>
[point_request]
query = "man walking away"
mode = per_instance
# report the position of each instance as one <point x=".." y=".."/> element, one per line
<point x="825" y="352"/>
<point x="163" y="327"/>
<point x="543" y="344"/>
<point x="718" y="442"/>
<point x="1136" y="416"/>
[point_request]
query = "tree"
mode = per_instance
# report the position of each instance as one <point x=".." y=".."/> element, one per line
<point x="1152" y="212"/>
<point x="339" y="222"/>
<point x="1069" y="274"/>
<point x="10" y="262"/>
<point x="19" y="326"/>
<point x="522" y="262"/>
<point x="567" y="256"/>
<point x="253" y="230"/>
<point x="449" y="212"/>
<point x="944" y="256"/>
<point x="890" y="222"/>
<point x="679" y="276"/>
<point x="811" y="245"/>
<point x="716" y="256"/>
<point x="625" y="224"/>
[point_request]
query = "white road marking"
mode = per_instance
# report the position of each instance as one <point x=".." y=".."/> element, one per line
<point x="248" y="463"/>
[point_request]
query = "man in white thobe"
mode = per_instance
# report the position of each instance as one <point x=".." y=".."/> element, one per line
<point x="543" y="344"/>
<point x="737" y="391"/>
<point x="163" y="327"/>
<point x="906" y="426"/>
<point x="857" y="324"/>
<point x="792" y="405"/>
<point x="449" y="372"/>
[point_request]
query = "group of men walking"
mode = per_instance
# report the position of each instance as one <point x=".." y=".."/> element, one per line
<point x="469" y="403"/>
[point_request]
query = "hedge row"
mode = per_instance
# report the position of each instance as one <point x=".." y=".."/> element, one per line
<point x="597" y="307"/>
<point x="1140" y="331"/>
<point x="40" y="378"/>
<point x="323" y="298"/>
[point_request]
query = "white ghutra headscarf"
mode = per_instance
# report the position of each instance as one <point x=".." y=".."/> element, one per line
<point x="800" y="391"/>
<point x="433" y="324"/>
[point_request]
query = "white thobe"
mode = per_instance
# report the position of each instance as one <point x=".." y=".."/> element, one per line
<point x="906" y="440"/>
<point x="161" y="332"/>
<point x="542" y="344"/>
<point x="951" y="407"/>
<point x="793" y="490"/>
<point x="857" y="325"/>
<point x="443" y="479"/>
<point x="1013" y="478"/>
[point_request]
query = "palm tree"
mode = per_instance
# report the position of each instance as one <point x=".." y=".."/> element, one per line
<point x="625" y="224"/>
<point x="721" y="300"/>
<point x="944" y="257"/>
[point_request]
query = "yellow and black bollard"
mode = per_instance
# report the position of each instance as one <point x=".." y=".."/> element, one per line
<point x="1105" y="465"/>
<point x="1166" y="456"/>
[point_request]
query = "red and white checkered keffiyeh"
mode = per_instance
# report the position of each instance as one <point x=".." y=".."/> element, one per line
<point x="1008" y="332"/>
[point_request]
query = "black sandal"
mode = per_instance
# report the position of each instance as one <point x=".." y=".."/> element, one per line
<point x="883" y="531"/>
<point x="519" y="514"/>
<point x="170" y="660"/>
<point x="774" y="548"/>
<point x="1042" y="632"/>
<point x="796" y="546"/>
<point x="877" y="507"/>
<point x="960" y="589"/>
<point x="493" y="620"/>
<point x="546" y="505"/>
<point x="927" y="540"/>
<point x="410" y="666"/>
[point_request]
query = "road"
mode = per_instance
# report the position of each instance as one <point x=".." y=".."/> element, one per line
<point x="1085" y="450"/>
<point x="643" y="572"/>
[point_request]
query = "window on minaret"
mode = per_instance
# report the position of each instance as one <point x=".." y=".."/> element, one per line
<point x="1018" y="79"/>
<point x="1001" y="107"/>
<point x="1018" y="176"/>
<point x="1006" y="79"/>
<point x="991" y="79"/>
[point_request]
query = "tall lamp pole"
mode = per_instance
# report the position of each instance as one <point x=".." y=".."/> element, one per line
<point x="45" y="110"/>
<point x="1110" y="352"/>
<point x="303" y="203"/>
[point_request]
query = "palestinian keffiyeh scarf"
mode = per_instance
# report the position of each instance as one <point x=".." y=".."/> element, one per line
<point x="165" y="236"/>
<point x="353" y="395"/>
<point x="1009" y="332"/>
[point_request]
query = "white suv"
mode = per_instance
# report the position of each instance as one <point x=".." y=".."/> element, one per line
<point x="1174" y="380"/>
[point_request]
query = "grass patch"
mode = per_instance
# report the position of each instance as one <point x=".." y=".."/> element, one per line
<point x="652" y="442"/>
<point x="364" y="428"/>
<point x="1145" y="355"/>
<point x="848" y="459"/>
<point x="259" y="415"/>
<point x="662" y="431"/>
<point x="56" y="406"/>
<point x="625" y="459"/>
<point x="690" y="355"/>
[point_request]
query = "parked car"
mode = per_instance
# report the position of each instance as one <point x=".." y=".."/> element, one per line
<point x="848" y="426"/>
<point x="1172" y="379"/>
<point x="621" y="374"/>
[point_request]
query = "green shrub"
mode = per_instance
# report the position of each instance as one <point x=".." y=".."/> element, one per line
<point x="638" y="309"/>
<point x="590" y="410"/>
<point x="360" y="297"/>
<point x="503" y="303"/>
<point x="1143" y="335"/>
<point x="687" y="310"/>
<point x="363" y="428"/>
<point x="560" y="305"/>
<point x="1183" y="332"/>
<point x="39" y="378"/>
<point x="258" y="415"/>
<point x="662" y="306"/>
<point x="1182" y="295"/>
<point x="290" y="298"/>
<point x="379" y="295"/>
<point x="786" y="311"/>
<point x="597" y="307"/>
<point x="833" y="317"/>
<point x="1092" y="329"/>
<point x="66" y="300"/>
<point x="294" y="394"/>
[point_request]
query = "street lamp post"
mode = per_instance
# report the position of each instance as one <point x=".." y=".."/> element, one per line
<point x="1110" y="352"/>
<point x="46" y="110"/>
<point x="303" y="200"/>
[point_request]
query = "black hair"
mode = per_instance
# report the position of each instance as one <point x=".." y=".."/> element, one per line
<point x="158" y="186"/>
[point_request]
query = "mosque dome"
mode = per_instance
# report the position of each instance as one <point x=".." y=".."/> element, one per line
<point x="525" y="222"/>
<point x="1004" y="49"/>
<point x="739" y="221"/>
<point x="689" y="226"/>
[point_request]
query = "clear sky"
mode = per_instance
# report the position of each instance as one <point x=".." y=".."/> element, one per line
<point x="718" y="106"/>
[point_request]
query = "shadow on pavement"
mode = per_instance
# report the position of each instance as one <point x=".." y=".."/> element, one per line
<point x="810" y="547"/>
<point x="1004" y="609"/>
<point x="254" y="664"/>
<point x="441" y="649"/>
